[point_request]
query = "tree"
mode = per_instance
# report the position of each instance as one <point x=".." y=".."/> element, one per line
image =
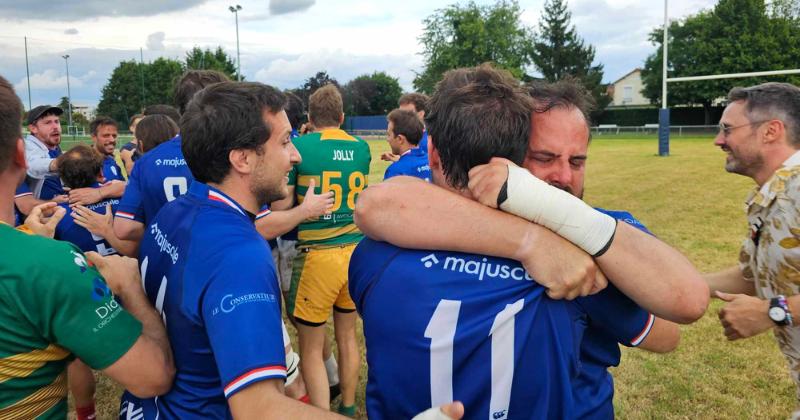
<point x="464" y="36"/>
<point x="312" y="84"/>
<point x="205" y="59"/>
<point x="132" y="86"/>
<point x="374" y="94"/>
<point x="737" y="36"/>
<point x="559" y="52"/>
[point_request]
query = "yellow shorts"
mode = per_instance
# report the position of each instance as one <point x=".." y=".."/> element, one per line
<point x="319" y="284"/>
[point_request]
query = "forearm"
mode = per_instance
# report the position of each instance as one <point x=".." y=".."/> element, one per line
<point x="124" y="247"/>
<point x="266" y="400"/>
<point x="279" y="222"/>
<point x="663" y="338"/>
<point x="729" y="280"/>
<point x="137" y="304"/>
<point x="114" y="189"/>
<point x="654" y="275"/>
<point x="450" y="222"/>
<point x="127" y="229"/>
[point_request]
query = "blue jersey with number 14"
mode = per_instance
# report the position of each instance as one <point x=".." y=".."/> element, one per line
<point x="210" y="274"/>
<point x="444" y="326"/>
<point x="159" y="176"/>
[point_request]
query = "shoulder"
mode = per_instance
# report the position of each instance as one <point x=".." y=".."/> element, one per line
<point x="50" y="256"/>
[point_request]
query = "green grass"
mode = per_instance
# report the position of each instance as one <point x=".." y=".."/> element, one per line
<point x="690" y="202"/>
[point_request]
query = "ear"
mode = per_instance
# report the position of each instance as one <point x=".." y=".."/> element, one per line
<point x="341" y="119"/>
<point x="403" y="139"/>
<point x="434" y="161"/>
<point x="240" y="161"/>
<point x="19" y="155"/>
<point x="774" y="131"/>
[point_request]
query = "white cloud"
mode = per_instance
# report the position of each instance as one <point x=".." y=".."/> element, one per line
<point x="280" y="7"/>
<point x="54" y="79"/>
<point x="155" y="41"/>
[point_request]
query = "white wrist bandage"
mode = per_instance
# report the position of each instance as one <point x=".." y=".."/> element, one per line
<point x="568" y="216"/>
<point x="434" y="413"/>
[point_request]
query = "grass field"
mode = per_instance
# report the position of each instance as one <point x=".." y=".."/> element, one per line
<point x="690" y="202"/>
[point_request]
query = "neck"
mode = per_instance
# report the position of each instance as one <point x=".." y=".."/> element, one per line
<point x="239" y="192"/>
<point x="328" y="127"/>
<point x="404" y="148"/>
<point x="772" y="162"/>
<point x="8" y="185"/>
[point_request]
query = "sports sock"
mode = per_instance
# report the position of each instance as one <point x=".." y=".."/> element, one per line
<point x="347" y="411"/>
<point x="333" y="370"/>
<point x="85" y="413"/>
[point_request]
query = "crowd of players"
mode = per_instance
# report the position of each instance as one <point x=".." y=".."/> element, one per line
<point x="483" y="277"/>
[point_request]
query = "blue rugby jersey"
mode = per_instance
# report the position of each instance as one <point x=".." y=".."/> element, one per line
<point x="423" y="142"/>
<point x="413" y="162"/>
<point x="443" y="326"/>
<point x="159" y="176"/>
<point x="112" y="171"/>
<point x="52" y="186"/>
<point x="210" y="275"/>
<point x="68" y="230"/>
<point x="611" y="319"/>
<point x="22" y="190"/>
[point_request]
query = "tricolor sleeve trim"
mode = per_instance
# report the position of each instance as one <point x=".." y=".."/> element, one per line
<point x="20" y="195"/>
<point x="125" y="215"/>
<point x="263" y="213"/>
<point x="645" y="332"/>
<point x="255" y="375"/>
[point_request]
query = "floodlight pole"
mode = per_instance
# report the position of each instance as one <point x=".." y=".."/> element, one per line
<point x="69" y="94"/>
<point x="663" y="113"/>
<point x="235" y="11"/>
<point x="28" y="73"/>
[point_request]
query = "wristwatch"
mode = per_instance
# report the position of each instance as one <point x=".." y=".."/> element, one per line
<point x="779" y="311"/>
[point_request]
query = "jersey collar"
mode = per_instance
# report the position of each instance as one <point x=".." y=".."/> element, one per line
<point x="217" y="196"/>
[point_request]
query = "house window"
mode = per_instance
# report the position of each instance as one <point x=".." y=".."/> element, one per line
<point x="627" y="94"/>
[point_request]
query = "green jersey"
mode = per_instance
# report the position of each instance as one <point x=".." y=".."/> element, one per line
<point x="337" y="162"/>
<point x="53" y="305"/>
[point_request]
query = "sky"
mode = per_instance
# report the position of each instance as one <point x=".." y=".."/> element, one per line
<point x="282" y="42"/>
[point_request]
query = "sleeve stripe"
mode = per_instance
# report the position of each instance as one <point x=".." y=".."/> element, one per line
<point x="23" y="194"/>
<point x="645" y="332"/>
<point x="253" y="376"/>
<point x="124" y="215"/>
<point x="263" y="213"/>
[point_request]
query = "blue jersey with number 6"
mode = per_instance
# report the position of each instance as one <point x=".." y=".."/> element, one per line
<point x="159" y="176"/>
<point x="444" y="326"/>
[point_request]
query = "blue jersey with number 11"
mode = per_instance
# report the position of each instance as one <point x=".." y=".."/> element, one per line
<point x="443" y="326"/>
<point x="159" y="176"/>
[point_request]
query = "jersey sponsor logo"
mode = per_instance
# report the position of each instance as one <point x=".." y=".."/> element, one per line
<point x="102" y="204"/>
<point x="100" y="290"/>
<point x="174" y="162"/>
<point x="229" y="303"/>
<point x="425" y="168"/>
<point x="163" y="243"/>
<point x="429" y="260"/>
<point x="499" y="414"/>
<point x="79" y="260"/>
<point x="343" y="154"/>
<point x="130" y="412"/>
<point x="481" y="268"/>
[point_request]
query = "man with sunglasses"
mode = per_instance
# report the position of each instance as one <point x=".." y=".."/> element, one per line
<point x="760" y="132"/>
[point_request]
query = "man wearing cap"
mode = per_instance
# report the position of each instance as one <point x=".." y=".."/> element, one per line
<point x="41" y="151"/>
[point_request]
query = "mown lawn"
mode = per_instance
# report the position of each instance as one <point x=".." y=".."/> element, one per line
<point x="689" y="201"/>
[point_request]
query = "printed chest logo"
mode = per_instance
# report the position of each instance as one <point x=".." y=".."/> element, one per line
<point x="229" y="303"/>
<point x="164" y="244"/>
<point x="79" y="260"/>
<point x="481" y="268"/>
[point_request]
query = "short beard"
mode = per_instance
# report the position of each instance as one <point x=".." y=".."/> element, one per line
<point x="266" y="195"/>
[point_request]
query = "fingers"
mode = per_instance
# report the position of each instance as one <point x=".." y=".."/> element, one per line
<point x="454" y="410"/>
<point x="58" y="214"/>
<point x="311" y="184"/>
<point x="503" y="161"/>
<point x="43" y="210"/>
<point x="600" y="282"/>
<point x="727" y="297"/>
<point x="96" y="259"/>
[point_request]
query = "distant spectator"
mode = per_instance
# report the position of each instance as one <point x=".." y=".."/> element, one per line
<point x="404" y="132"/>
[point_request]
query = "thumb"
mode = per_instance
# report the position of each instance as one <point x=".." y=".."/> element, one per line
<point x="95" y="259"/>
<point x="58" y="214"/>
<point x="454" y="410"/>
<point x="727" y="297"/>
<point x="311" y="184"/>
<point x="502" y="160"/>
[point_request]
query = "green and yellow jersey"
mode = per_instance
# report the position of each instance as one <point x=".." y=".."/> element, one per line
<point x="337" y="162"/>
<point x="53" y="305"/>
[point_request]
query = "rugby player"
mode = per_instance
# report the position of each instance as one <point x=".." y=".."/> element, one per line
<point x="557" y="154"/>
<point x="162" y="175"/>
<point x="339" y="162"/>
<point x="417" y="103"/>
<point x="104" y="139"/>
<point x="403" y="134"/>
<point x="208" y="271"/>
